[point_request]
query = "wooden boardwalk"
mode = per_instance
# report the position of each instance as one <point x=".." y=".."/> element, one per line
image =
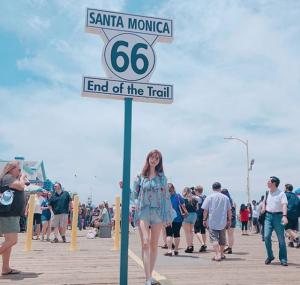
<point x="96" y="263"/>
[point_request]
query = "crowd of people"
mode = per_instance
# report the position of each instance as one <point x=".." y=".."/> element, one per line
<point x="157" y="208"/>
<point x="53" y="213"/>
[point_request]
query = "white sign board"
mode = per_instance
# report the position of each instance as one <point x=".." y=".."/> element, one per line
<point x="128" y="56"/>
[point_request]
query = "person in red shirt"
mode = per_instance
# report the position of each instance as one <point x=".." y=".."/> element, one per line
<point x="244" y="218"/>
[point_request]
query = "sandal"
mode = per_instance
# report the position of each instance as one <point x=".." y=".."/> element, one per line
<point x="11" y="272"/>
<point x="215" y="259"/>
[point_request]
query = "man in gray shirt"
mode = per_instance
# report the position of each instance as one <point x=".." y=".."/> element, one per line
<point x="218" y="210"/>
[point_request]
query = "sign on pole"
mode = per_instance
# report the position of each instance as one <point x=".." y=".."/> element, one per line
<point x="129" y="59"/>
<point x="128" y="56"/>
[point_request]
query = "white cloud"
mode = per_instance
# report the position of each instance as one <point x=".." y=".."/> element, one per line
<point x="235" y="67"/>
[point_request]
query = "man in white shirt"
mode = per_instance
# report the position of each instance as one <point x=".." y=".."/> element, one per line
<point x="276" y="217"/>
<point x="217" y="209"/>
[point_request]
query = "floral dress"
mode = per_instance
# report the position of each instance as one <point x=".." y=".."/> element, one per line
<point x="153" y="195"/>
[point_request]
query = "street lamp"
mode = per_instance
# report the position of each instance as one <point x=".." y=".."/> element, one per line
<point x="249" y="165"/>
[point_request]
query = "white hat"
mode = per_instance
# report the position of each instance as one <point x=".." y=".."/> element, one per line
<point x="7" y="198"/>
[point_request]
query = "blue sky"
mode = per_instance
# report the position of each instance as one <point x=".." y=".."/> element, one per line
<point x="235" y="67"/>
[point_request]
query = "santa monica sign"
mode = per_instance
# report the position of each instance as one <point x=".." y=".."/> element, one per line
<point x="128" y="56"/>
<point x="129" y="23"/>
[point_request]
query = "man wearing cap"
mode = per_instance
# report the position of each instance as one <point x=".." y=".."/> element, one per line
<point x="60" y="203"/>
<point x="275" y="208"/>
<point x="217" y="209"/>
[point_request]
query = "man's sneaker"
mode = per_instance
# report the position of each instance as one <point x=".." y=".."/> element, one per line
<point x="55" y="240"/>
<point x="283" y="263"/>
<point x="268" y="260"/>
<point x="63" y="238"/>
<point x="203" y="248"/>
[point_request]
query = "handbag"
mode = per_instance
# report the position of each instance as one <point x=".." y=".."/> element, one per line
<point x="6" y="198"/>
<point x="182" y="210"/>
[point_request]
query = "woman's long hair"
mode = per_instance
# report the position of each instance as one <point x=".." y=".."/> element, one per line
<point x="188" y="194"/>
<point x="159" y="167"/>
<point x="243" y="207"/>
<point x="226" y="193"/>
<point x="9" y="167"/>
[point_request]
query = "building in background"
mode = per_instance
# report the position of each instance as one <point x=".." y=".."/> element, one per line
<point x="35" y="171"/>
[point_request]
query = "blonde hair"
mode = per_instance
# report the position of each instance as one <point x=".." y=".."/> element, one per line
<point x="186" y="192"/>
<point x="199" y="189"/>
<point x="9" y="167"/>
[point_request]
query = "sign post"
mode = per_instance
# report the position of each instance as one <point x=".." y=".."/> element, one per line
<point x="126" y="192"/>
<point x="129" y="60"/>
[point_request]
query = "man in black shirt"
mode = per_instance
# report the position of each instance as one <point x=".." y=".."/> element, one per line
<point x="60" y="203"/>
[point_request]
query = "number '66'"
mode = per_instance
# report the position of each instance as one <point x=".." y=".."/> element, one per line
<point x="133" y="60"/>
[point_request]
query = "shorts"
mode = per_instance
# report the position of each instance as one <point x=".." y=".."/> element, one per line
<point x="218" y="236"/>
<point x="150" y="215"/>
<point x="233" y="222"/>
<point x="292" y="224"/>
<point x="60" y="220"/>
<point x="255" y="221"/>
<point x="190" y="218"/>
<point x="174" y="230"/>
<point x="37" y="219"/>
<point x="198" y="227"/>
<point x="9" y="225"/>
<point x="44" y="221"/>
<point x="46" y="218"/>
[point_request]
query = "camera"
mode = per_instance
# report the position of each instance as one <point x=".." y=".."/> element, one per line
<point x="193" y="190"/>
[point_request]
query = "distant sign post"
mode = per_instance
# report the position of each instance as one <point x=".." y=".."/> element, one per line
<point x="129" y="60"/>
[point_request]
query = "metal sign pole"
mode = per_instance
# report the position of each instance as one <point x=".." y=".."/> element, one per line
<point x="126" y="192"/>
<point x="129" y="60"/>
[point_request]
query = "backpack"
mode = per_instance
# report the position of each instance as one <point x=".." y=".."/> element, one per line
<point x="200" y="202"/>
<point x="293" y="207"/>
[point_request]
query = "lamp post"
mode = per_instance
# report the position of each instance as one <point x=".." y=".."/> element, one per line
<point x="249" y="164"/>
